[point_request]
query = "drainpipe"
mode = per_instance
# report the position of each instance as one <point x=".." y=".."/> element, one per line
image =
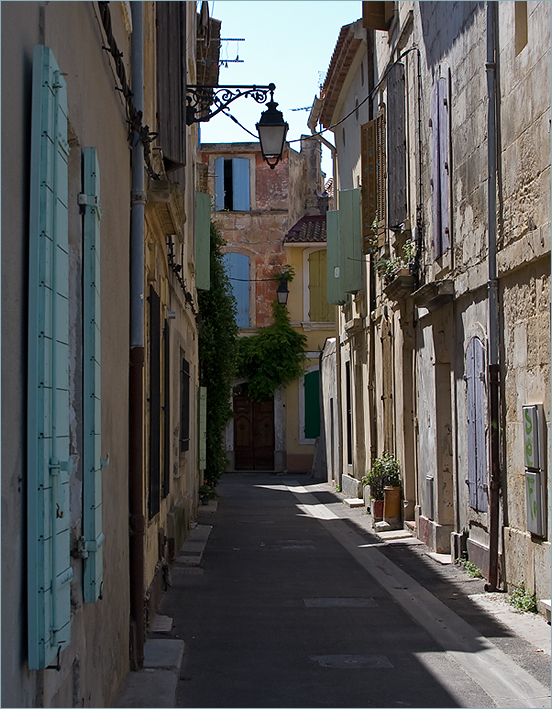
<point x="136" y="376"/>
<point x="492" y="287"/>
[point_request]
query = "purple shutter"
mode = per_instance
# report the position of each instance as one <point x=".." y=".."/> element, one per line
<point x="443" y="93"/>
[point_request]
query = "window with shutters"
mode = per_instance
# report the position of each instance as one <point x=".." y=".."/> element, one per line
<point x="396" y="146"/>
<point x="350" y="241"/>
<point x="311" y="384"/>
<point x="165" y="489"/>
<point x="374" y="182"/>
<point x="202" y="241"/>
<point x="320" y="309"/>
<point x="92" y="414"/>
<point x="184" y="435"/>
<point x="477" y="441"/>
<point x="232" y="187"/>
<point x="49" y="569"/>
<point x="335" y="294"/>
<point x="237" y="267"/>
<point x="440" y="161"/>
<point x="154" y="477"/>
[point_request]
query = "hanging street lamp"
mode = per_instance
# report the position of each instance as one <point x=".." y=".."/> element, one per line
<point x="272" y="131"/>
<point x="283" y="291"/>
<point x="271" y="127"/>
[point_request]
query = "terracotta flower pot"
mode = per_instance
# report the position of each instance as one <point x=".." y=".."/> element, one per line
<point x="376" y="507"/>
<point x="392" y="504"/>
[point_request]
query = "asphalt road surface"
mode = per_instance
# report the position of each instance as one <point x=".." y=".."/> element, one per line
<point x="297" y="603"/>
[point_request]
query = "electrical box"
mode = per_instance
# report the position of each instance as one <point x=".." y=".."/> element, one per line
<point x="534" y="458"/>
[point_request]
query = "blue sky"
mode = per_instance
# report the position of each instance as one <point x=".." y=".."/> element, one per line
<point x="288" y="43"/>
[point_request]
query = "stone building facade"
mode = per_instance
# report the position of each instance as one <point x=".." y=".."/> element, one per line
<point x="444" y="328"/>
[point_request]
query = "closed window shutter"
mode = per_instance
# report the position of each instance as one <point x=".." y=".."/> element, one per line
<point x="49" y="571"/>
<point x="374" y="16"/>
<point x="240" y="184"/>
<point x="202" y="426"/>
<point x="369" y="183"/>
<point x="350" y="241"/>
<point x="237" y="267"/>
<point x="92" y="414"/>
<point x="312" y="404"/>
<point x="154" y="479"/>
<point x="477" y="446"/>
<point x="440" y="167"/>
<point x="381" y="175"/>
<point x="444" y="161"/>
<point x="396" y="136"/>
<point x="203" y="241"/>
<point x="336" y="296"/>
<point x="219" y="184"/>
<point x="320" y="310"/>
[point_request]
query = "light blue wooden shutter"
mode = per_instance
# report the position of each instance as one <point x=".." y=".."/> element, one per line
<point x="203" y="241"/>
<point x="48" y="518"/>
<point x="202" y="428"/>
<point x="92" y="414"/>
<point x="477" y="445"/>
<point x="237" y="267"/>
<point x="219" y="184"/>
<point x="350" y="241"/>
<point x="336" y="296"/>
<point x="240" y="184"/>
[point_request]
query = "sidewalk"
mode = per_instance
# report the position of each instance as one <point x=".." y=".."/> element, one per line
<point x="156" y="685"/>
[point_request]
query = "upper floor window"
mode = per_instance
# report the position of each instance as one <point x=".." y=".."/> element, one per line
<point x="319" y="308"/>
<point x="232" y="190"/>
<point x="237" y="266"/>
<point x="440" y="175"/>
<point x="520" y="26"/>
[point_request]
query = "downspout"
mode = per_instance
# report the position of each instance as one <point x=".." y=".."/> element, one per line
<point x="492" y="287"/>
<point x="136" y="376"/>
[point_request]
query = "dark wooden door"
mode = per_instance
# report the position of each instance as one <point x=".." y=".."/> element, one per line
<point x="253" y="433"/>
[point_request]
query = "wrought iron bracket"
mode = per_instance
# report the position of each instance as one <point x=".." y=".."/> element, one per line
<point x="204" y="102"/>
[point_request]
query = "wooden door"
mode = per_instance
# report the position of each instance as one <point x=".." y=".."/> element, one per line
<point x="253" y="433"/>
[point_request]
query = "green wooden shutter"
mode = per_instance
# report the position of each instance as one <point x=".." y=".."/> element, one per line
<point x="203" y="240"/>
<point x="320" y="310"/>
<point x="202" y="425"/>
<point x="336" y="296"/>
<point x="312" y="404"/>
<point x="48" y="517"/>
<point x="92" y="413"/>
<point x="350" y="240"/>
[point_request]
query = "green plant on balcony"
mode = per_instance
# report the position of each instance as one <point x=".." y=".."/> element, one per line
<point x="389" y="268"/>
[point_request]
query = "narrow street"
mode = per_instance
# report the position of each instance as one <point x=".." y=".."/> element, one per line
<point x="297" y="603"/>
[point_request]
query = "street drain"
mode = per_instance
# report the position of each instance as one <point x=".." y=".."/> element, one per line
<point x="340" y="603"/>
<point x="353" y="662"/>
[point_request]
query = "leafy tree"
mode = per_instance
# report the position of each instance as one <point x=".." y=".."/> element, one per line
<point x="218" y="334"/>
<point x="273" y="357"/>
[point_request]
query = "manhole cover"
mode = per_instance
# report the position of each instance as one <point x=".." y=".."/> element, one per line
<point x="353" y="662"/>
<point x="340" y="602"/>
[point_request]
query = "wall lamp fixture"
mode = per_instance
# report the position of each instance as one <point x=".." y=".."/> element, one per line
<point x="283" y="292"/>
<point x="271" y="127"/>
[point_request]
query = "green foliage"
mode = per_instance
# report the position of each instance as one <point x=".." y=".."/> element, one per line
<point x="207" y="491"/>
<point x="273" y="357"/>
<point x="287" y="272"/>
<point x="385" y="472"/>
<point x="218" y="334"/>
<point x="470" y="568"/>
<point x="523" y="600"/>
<point x="388" y="268"/>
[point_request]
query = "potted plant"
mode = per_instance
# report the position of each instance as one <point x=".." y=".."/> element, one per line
<point x="206" y="493"/>
<point x="384" y="479"/>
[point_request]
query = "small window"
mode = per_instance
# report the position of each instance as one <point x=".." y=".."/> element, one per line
<point x="184" y="404"/>
<point x="232" y="191"/>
